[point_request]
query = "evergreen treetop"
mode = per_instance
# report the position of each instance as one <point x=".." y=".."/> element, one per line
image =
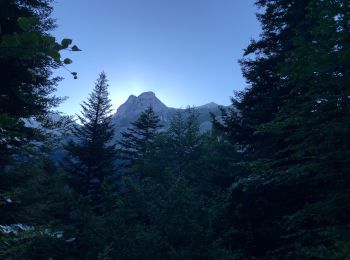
<point x="91" y="155"/>
<point x="139" y="139"/>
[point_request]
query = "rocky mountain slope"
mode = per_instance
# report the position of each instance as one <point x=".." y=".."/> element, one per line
<point x="134" y="106"/>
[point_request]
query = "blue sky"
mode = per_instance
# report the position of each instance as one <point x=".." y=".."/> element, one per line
<point x="186" y="51"/>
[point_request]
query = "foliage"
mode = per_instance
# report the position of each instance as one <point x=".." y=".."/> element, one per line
<point x="183" y="139"/>
<point x="28" y="54"/>
<point x="139" y="140"/>
<point x="291" y="128"/>
<point x="91" y="156"/>
<point x="160" y="222"/>
<point x="35" y="211"/>
<point x="270" y="181"/>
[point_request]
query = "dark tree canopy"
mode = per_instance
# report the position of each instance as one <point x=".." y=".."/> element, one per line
<point x="28" y="55"/>
<point x="269" y="181"/>
<point x="91" y="153"/>
<point x="26" y="85"/>
<point x="32" y="197"/>
<point x="183" y="139"/>
<point x="291" y="127"/>
<point x="138" y="141"/>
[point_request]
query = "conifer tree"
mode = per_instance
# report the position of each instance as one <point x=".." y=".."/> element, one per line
<point x="37" y="211"/>
<point x="33" y="192"/>
<point x="183" y="138"/>
<point x="91" y="155"/>
<point x="291" y="128"/>
<point x="28" y="54"/>
<point x="138" y="141"/>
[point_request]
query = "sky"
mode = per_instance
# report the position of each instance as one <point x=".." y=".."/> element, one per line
<point x="186" y="51"/>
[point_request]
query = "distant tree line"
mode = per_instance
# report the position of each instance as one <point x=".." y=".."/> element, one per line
<point x="269" y="181"/>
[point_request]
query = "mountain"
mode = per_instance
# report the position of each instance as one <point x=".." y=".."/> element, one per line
<point x="128" y="113"/>
<point x="134" y="106"/>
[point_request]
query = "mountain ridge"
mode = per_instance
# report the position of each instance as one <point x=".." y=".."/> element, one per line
<point x="131" y="109"/>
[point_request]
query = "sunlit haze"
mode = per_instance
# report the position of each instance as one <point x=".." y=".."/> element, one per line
<point x="186" y="51"/>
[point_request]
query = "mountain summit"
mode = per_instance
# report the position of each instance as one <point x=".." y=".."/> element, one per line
<point x="136" y="105"/>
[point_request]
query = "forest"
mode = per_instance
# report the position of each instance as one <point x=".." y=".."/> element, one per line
<point x="268" y="181"/>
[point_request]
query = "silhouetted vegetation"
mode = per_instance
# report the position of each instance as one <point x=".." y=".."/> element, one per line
<point x="269" y="181"/>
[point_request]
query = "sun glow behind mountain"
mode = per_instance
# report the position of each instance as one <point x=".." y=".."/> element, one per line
<point x="120" y="91"/>
<point x="184" y="51"/>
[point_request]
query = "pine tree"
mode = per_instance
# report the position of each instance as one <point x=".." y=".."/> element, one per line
<point x="138" y="141"/>
<point x="183" y="139"/>
<point x="91" y="155"/>
<point x="291" y="128"/>
<point x="154" y="220"/>
<point x="28" y="54"/>
<point x="37" y="209"/>
<point x="31" y="191"/>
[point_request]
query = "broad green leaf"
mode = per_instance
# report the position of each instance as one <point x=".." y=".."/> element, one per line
<point x="24" y="23"/>
<point x="54" y="54"/>
<point x="49" y="41"/>
<point x="66" y="42"/>
<point x="67" y="61"/>
<point x="75" y="48"/>
<point x="28" y="38"/>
